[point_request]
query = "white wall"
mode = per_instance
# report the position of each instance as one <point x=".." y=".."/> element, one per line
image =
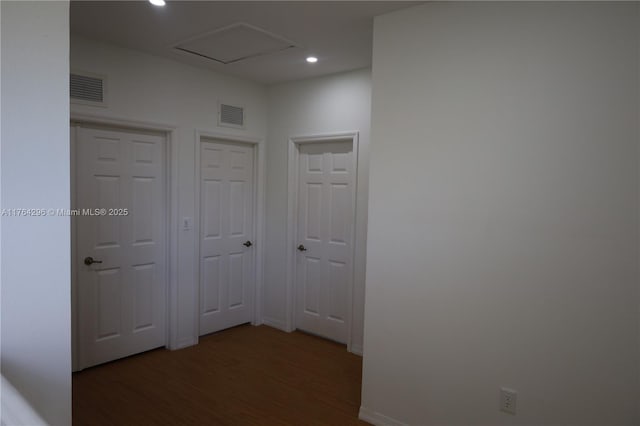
<point x="332" y="104"/>
<point x="36" y="339"/>
<point x="147" y="88"/>
<point x="503" y="220"/>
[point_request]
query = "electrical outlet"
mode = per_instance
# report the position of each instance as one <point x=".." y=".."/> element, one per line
<point x="508" y="398"/>
<point x="186" y="223"/>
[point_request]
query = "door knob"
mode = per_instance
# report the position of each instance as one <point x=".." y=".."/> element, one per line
<point x="247" y="244"/>
<point x="302" y="248"/>
<point x="89" y="260"/>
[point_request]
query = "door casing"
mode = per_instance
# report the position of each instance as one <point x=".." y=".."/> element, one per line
<point x="86" y="120"/>
<point x="292" y="221"/>
<point x="258" y="218"/>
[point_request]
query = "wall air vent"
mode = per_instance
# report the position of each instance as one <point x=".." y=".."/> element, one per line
<point x="231" y="116"/>
<point x="88" y="89"/>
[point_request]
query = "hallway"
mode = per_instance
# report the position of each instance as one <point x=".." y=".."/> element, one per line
<point x="242" y="376"/>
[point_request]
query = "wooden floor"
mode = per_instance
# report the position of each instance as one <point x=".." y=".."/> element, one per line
<point x="243" y="376"/>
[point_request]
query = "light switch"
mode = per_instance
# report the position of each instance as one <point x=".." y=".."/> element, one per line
<point x="187" y="223"/>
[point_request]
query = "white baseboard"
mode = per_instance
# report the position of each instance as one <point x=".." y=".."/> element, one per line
<point x="280" y="325"/>
<point x="377" y="419"/>
<point x="184" y="344"/>
<point x="356" y="349"/>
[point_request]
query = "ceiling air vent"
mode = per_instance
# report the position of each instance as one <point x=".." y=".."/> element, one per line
<point x="232" y="116"/>
<point x="87" y="89"/>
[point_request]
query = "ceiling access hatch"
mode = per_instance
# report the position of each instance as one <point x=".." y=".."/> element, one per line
<point x="234" y="43"/>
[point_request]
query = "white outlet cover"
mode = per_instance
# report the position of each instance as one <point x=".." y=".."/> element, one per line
<point x="508" y="400"/>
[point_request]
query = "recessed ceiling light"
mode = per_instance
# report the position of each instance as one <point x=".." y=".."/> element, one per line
<point x="312" y="59"/>
<point x="157" y="2"/>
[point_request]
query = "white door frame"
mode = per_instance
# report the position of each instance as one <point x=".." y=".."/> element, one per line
<point x="171" y="168"/>
<point x="258" y="217"/>
<point x="292" y="221"/>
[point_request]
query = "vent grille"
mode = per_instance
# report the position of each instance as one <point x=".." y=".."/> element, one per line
<point x="231" y="115"/>
<point x="87" y="88"/>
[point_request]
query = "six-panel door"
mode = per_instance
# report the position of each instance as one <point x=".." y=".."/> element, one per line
<point x="324" y="264"/>
<point x="226" y="235"/>
<point x="122" y="226"/>
<point x="122" y="299"/>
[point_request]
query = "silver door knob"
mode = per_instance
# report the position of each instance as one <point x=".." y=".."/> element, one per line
<point x="89" y="261"/>
<point x="302" y="248"/>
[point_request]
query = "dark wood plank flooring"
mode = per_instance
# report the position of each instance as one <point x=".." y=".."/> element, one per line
<point x="242" y="376"/>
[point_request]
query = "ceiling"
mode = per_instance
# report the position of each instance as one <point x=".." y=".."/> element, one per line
<point x="339" y="33"/>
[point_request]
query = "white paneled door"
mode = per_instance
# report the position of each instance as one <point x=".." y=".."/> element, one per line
<point x="226" y="235"/>
<point x="326" y="203"/>
<point x="120" y="243"/>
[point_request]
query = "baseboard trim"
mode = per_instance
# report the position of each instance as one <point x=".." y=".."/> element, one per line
<point x="280" y="325"/>
<point x="356" y="349"/>
<point x="378" y="419"/>
<point x="184" y="344"/>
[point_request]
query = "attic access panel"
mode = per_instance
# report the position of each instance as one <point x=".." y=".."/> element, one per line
<point x="234" y="43"/>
